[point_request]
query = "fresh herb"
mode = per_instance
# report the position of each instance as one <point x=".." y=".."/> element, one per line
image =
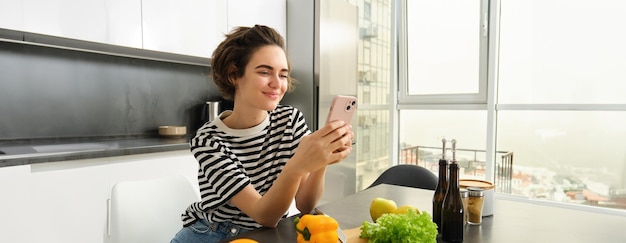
<point x="410" y="227"/>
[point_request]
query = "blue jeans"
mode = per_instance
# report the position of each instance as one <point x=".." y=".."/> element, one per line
<point x="203" y="231"/>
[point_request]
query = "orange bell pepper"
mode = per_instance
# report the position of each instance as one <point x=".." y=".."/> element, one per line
<point x="316" y="229"/>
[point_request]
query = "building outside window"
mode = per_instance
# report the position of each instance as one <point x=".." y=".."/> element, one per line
<point x="374" y="88"/>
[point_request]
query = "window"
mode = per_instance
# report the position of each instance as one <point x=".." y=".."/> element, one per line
<point x="560" y="100"/>
<point x="562" y="60"/>
<point x="423" y="130"/>
<point x="553" y="97"/>
<point x="367" y="11"/>
<point x="444" y="40"/>
<point x="560" y="154"/>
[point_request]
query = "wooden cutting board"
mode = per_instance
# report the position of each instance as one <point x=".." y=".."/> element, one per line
<point x="353" y="235"/>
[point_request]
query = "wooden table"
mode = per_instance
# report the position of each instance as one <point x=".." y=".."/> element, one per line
<point x="512" y="221"/>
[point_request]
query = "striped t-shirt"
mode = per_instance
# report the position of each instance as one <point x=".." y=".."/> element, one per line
<point x="230" y="159"/>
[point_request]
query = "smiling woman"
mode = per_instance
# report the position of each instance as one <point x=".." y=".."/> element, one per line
<point x="256" y="159"/>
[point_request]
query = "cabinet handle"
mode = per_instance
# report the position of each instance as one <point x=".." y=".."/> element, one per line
<point x="109" y="217"/>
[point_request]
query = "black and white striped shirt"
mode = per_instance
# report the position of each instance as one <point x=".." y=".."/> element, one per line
<point x="230" y="159"/>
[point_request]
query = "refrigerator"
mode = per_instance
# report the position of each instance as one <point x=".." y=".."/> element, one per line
<point x="322" y="46"/>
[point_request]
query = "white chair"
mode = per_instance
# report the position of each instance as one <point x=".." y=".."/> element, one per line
<point x="148" y="211"/>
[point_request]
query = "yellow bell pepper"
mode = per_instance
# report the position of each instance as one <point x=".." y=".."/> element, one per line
<point x="316" y="229"/>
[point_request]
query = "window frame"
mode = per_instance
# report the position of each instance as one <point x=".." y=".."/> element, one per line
<point x="491" y="105"/>
<point x="406" y="100"/>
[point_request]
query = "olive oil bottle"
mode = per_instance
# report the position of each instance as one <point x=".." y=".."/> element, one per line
<point x="452" y="208"/>
<point x="442" y="187"/>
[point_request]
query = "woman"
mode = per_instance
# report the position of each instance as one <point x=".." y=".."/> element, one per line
<point x="255" y="159"/>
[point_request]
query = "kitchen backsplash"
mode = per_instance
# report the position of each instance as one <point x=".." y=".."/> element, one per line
<point x="56" y="93"/>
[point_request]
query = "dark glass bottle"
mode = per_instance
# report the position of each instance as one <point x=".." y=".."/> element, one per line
<point x="452" y="209"/>
<point x="441" y="189"/>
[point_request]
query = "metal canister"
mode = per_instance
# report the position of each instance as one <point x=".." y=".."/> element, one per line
<point x="212" y="110"/>
<point x="488" y="188"/>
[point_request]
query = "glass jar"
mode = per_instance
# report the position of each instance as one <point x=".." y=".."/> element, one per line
<point x="475" y="203"/>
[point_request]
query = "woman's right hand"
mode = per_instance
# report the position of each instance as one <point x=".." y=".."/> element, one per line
<point x="326" y="146"/>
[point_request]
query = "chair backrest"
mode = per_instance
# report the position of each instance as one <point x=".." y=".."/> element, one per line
<point x="408" y="175"/>
<point x="149" y="211"/>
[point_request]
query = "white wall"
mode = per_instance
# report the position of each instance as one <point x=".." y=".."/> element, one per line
<point x="67" y="201"/>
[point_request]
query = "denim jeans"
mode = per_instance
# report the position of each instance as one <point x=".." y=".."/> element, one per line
<point x="203" y="231"/>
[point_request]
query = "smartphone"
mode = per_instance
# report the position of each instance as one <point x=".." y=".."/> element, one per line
<point x="342" y="108"/>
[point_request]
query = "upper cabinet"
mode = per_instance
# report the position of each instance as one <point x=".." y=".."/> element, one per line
<point x="189" y="27"/>
<point x="116" y="22"/>
<point x="192" y="28"/>
<point x="272" y="13"/>
<point x="11" y="14"/>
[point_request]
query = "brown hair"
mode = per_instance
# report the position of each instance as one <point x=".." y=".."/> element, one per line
<point x="233" y="54"/>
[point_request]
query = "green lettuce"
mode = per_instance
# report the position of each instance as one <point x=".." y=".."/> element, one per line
<point x="410" y="227"/>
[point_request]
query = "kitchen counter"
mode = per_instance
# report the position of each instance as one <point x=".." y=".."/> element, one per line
<point x="37" y="151"/>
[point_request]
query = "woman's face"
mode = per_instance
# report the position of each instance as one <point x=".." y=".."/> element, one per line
<point x="264" y="81"/>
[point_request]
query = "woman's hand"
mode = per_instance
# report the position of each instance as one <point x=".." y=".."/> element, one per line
<point x="326" y="146"/>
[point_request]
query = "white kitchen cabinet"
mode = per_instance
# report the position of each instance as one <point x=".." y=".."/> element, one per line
<point x="196" y="27"/>
<point x="272" y="13"/>
<point x="15" y="203"/>
<point x="189" y="27"/>
<point x="69" y="195"/>
<point x="11" y="14"/>
<point x="116" y="22"/>
<point x="67" y="201"/>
